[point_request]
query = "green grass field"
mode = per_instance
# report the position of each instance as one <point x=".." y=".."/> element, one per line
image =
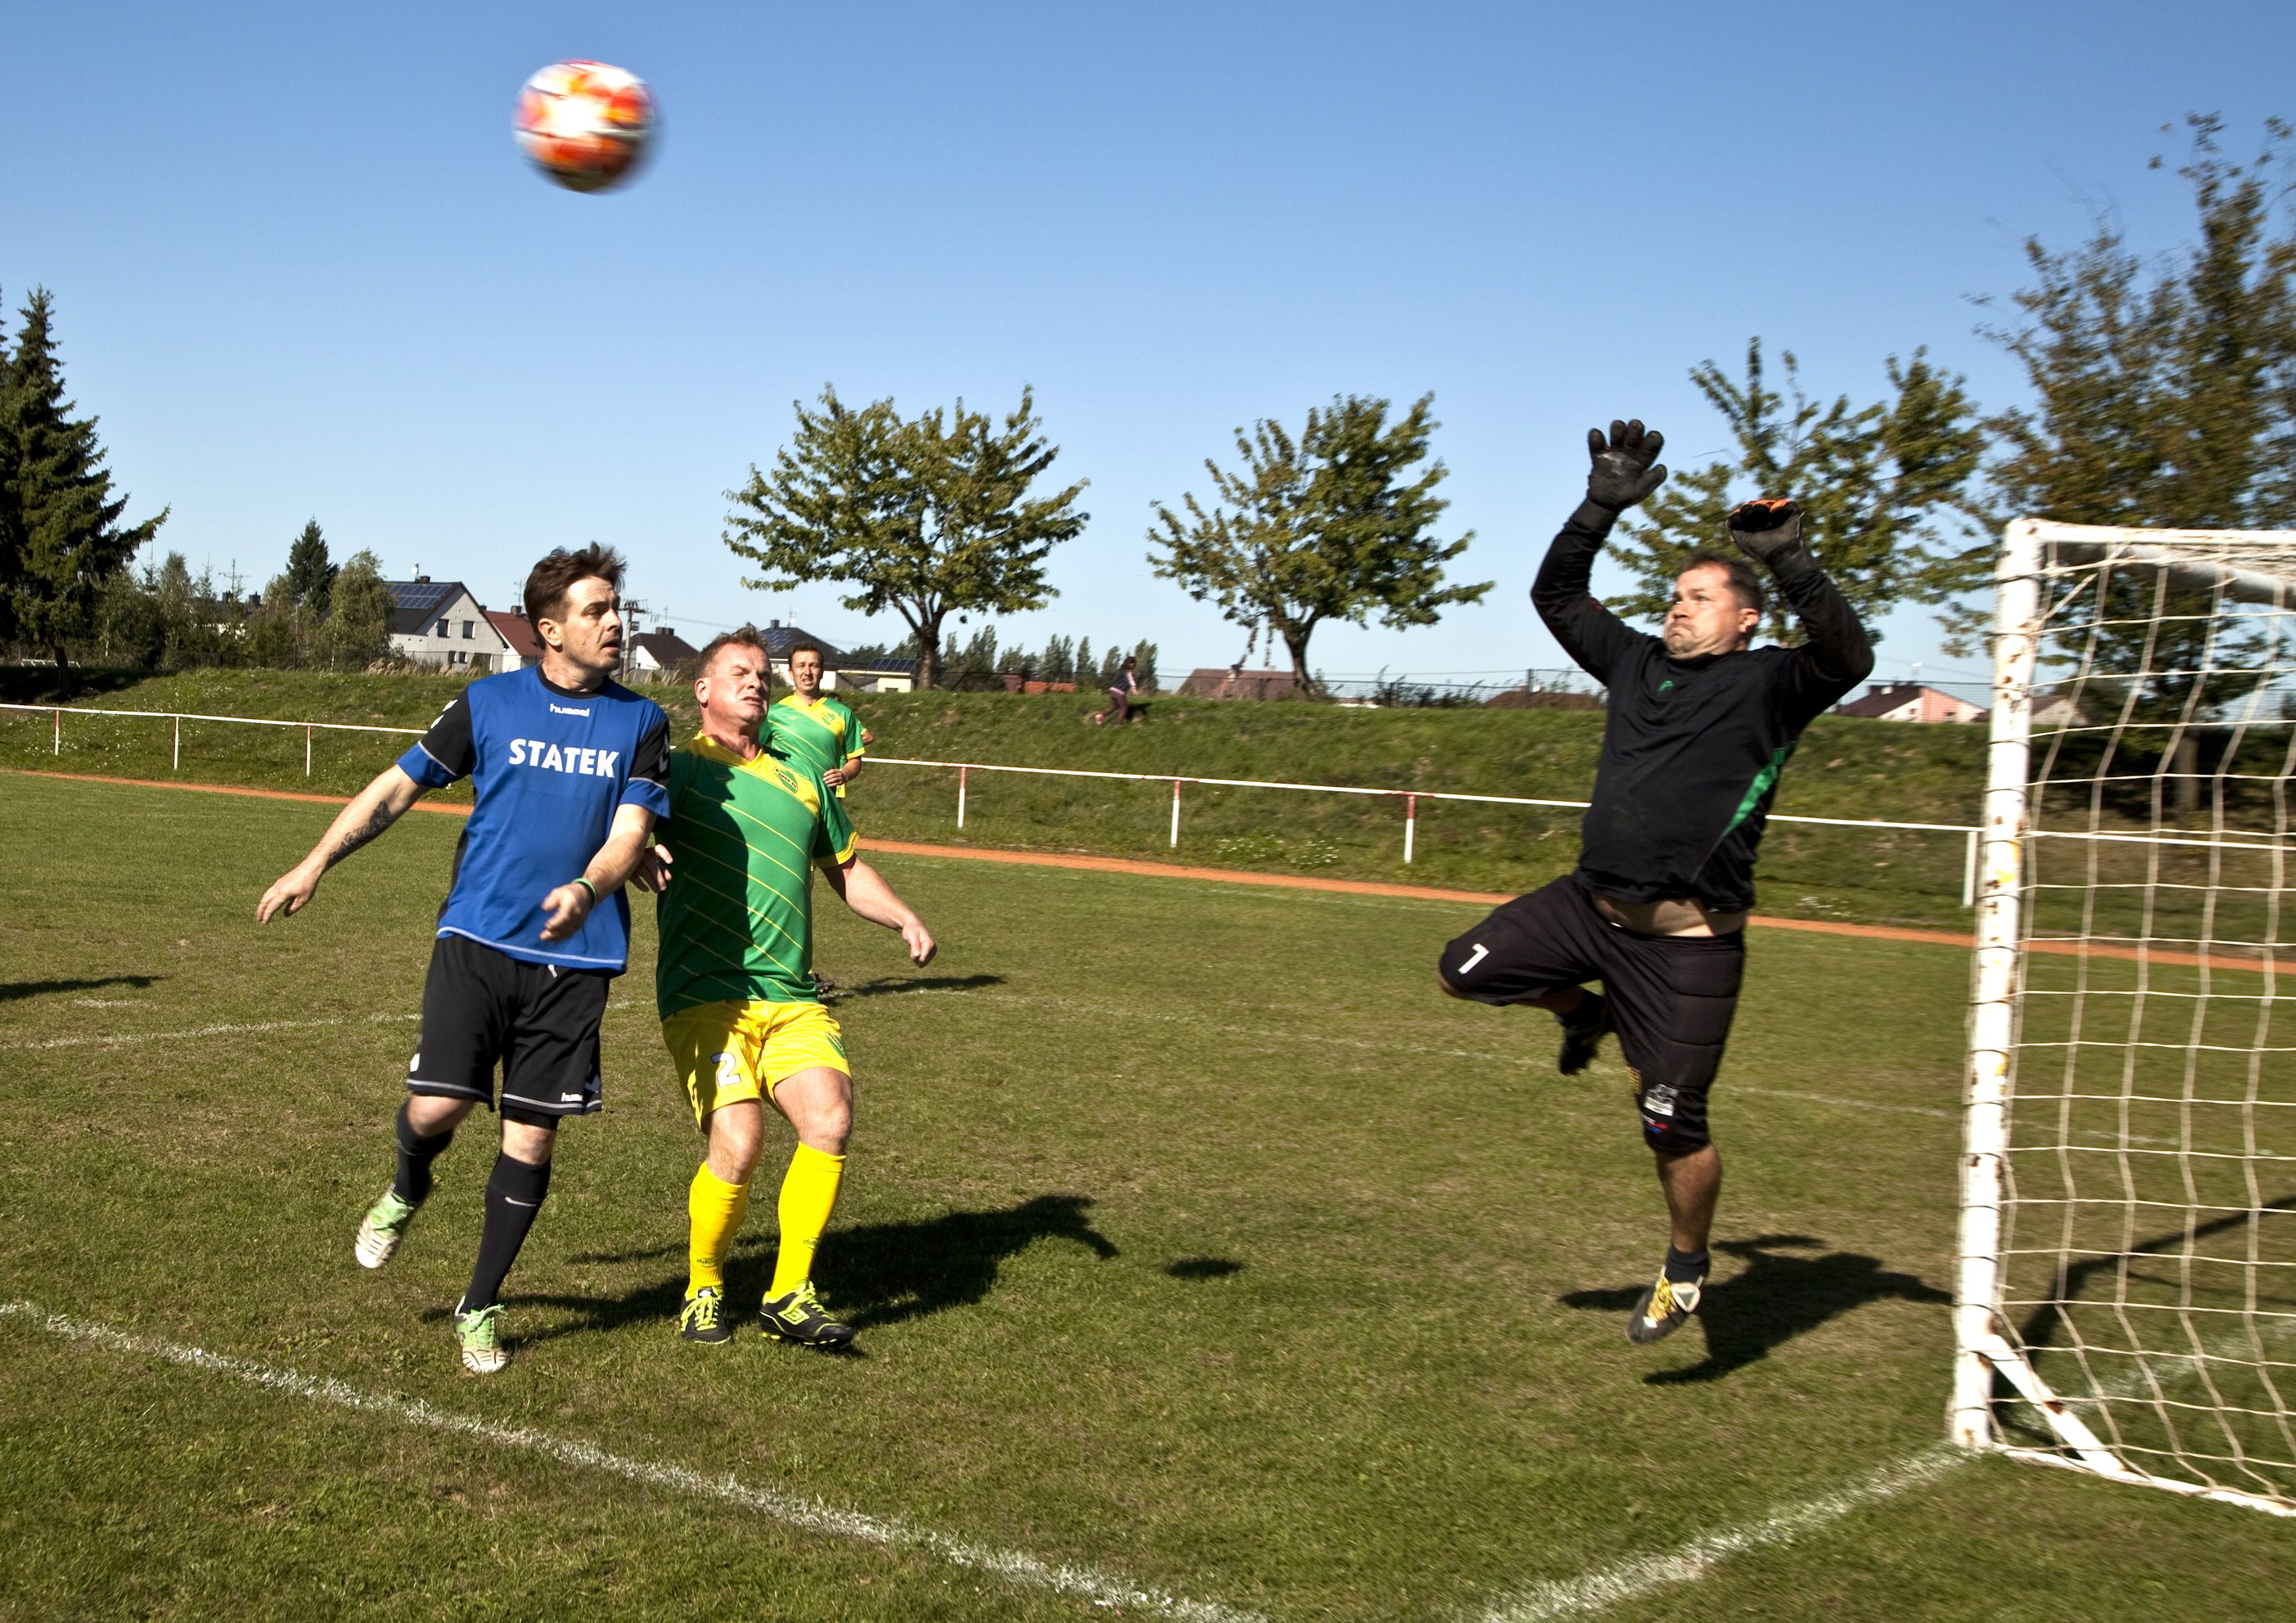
<point x="1195" y="1242"/>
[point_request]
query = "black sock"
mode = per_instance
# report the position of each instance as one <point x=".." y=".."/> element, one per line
<point x="1589" y="1012"/>
<point x="514" y="1194"/>
<point x="412" y="1182"/>
<point x="1684" y="1268"/>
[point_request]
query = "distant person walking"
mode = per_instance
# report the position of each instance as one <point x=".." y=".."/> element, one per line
<point x="1121" y="689"/>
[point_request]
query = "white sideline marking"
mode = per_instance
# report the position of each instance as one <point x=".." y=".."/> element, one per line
<point x="197" y="1031"/>
<point x="805" y="1514"/>
<point x="1609" y="1586"/>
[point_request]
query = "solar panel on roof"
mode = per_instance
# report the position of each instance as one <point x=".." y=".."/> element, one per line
<point x="416" y="596"/>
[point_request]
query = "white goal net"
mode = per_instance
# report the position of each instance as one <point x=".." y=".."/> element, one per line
<point x="2127" y="1292"/>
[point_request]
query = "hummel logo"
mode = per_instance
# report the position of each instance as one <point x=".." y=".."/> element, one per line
<point x="566" y="710"/>
<point x="570" y="1098"/>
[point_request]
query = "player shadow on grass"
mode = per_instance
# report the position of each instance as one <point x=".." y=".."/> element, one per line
<point x="885" y="985"/>
<point x="872" y="1275"/>
<point x="1777" y="1297"/>
<point x="887" y="1273"/>
<point x="10" y="991"/>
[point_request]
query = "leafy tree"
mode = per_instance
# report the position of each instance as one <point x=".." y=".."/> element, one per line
<point x="1086" y="670"/>
<point x="279" y="633"/>
<point x="129" y="626"/>
<point x="1324" y="527"/>
<point x="1143" y="654"/>
<point x="60" y="538"/>
<point x="1059" y="663"/>
<point x="929" y="517"/>
<point x="357" y="628"/>
<point x="310" y="576"/>
<point x="1885" y="489"/>
<point x="2164" y="396"/>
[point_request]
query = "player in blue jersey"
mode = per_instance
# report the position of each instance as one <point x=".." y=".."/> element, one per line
<point x="569" y="770"/>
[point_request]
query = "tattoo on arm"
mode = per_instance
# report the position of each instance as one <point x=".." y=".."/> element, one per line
<point x="352" y="839"/>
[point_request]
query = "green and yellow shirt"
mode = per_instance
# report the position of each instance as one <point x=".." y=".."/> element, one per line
<point x="824" y="734"/>
<point x="736" y="919"/>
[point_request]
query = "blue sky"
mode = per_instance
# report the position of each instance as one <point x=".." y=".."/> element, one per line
<point x="300" y="269"/>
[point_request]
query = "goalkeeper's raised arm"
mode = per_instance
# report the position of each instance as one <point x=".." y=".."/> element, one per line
<point x="1838" y="655"/>
<point x="1625" y="469"/>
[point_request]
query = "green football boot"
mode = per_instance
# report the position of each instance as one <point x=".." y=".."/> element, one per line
<point x="381" y="1229"/>
<point x="479" y="1334"/>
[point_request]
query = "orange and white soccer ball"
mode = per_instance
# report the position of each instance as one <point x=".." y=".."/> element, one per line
<point x="585" y="124"/>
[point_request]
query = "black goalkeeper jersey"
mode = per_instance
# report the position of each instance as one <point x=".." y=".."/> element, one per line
<point x="1691" y="749"/>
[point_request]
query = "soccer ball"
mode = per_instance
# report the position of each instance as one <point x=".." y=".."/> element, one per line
<point x="583" y="124"/>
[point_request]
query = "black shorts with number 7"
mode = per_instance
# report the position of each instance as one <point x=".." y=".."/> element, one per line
<point x="1671" y="997"/>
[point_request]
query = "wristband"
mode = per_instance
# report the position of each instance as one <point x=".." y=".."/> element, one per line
<point x="584" y="881"/>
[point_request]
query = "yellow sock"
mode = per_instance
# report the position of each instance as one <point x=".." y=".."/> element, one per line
<point x="713" y="1209"/>
<point x="808" y="1193"/>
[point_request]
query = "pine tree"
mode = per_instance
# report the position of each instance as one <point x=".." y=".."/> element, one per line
<point x="1143" y="665"/>
<point x="64" y="540"/>
<point x="310" y="577"/>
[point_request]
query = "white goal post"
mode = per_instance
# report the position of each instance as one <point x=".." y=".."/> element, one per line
<point x="2126" y="1298"/>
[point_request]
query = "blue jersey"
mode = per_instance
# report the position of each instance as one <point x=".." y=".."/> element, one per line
<point x="550" y="767"/>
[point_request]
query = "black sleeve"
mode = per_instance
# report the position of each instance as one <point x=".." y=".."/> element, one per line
<point x="1838" y="655"/>
<point x="449" y="742"/>
<point x="1590" y="634"/>
<point x="650" y="762"/>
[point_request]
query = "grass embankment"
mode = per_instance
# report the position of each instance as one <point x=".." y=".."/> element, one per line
<point x="1844" y="769"/>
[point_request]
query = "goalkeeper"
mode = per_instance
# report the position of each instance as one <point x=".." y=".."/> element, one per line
<point x="1699" y="724"/>
<point x="735" y="988"/>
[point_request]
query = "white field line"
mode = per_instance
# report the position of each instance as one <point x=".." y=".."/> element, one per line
<point x="1626" y="1580"/>
<point x="1613" y="1585"/>
<point x="119" y="1039"/>
<point x="807" y="1515"/>
<point x="1262" y="1033"/>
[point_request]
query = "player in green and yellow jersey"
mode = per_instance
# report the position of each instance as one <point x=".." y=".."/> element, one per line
<point x="816" y="727"/>
<point x="735" y="987"/>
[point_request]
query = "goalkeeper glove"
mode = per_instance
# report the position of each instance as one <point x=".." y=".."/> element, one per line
<point x="1623" y="472"/>
<point x="1769" y="532"/>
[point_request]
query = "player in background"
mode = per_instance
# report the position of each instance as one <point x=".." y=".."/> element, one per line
<point x="1697" y="727"/>
<point x="735" y="985"/>
<point x="816" y="727"/>
<point x="569" y="772"/>
<point x="819" y="730"/>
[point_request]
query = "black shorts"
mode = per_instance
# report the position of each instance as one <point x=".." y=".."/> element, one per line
<point x="538" y="1021"/>
<point x="1671" y="997"/>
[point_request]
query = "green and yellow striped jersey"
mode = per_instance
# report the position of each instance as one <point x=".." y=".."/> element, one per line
<point x="824" y="735"/>
<point x="736" y="919"/>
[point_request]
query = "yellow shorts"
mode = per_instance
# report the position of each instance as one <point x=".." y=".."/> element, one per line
<point x="726" y="1051"/>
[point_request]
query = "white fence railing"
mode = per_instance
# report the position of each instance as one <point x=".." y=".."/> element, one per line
<point x="1411" y="798"/>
